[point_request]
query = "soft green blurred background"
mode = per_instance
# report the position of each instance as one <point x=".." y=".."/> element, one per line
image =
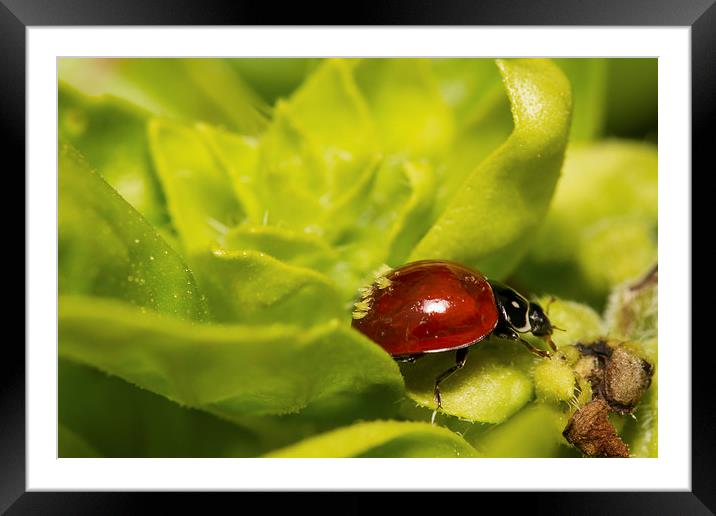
<point x="217" y="217"/>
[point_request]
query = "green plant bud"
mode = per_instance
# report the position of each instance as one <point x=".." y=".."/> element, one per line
<point x="554" y="380"/>
<point x="494" y="384"/>
<point x="571" y="353"/>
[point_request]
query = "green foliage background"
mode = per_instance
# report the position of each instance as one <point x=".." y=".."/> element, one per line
<point x="217" y="216"/>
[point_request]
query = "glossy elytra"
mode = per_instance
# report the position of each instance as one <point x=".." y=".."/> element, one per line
<point x="434" y="306"/>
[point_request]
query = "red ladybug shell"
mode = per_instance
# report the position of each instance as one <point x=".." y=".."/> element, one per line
<point x="427" y="307"/>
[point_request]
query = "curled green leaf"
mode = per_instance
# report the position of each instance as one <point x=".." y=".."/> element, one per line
<point x="491" y="231"/>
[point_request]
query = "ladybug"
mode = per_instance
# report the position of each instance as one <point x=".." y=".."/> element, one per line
<point x="435" y="306"/>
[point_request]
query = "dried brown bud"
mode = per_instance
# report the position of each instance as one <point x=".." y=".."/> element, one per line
<point x="627" y="376"/>
<point x="590" y="430"/>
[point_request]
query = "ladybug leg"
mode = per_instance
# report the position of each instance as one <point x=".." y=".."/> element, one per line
<point x="504" y="333"/>
<point x="534" y="350"/>
<point x="460" y="358"/>
<point x="551" y="343"/>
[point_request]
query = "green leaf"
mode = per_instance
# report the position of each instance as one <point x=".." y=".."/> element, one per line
<point x="536" y="431"/>
<point x="494" y="383"/>
<point x="331" y="111"/>
<point x="481" y="108"/>
<point x="111" y="134"/>
<point x="601" y="226"/>
<point x="468" y="86"/>
<point x="489" y="221"/>
<point x="381" y="439"/>
<point x="588" y="78"/>
<point x="283" y="244"/>
<point x="296" y="248"/>
<point x="190" y="90"/>
<point x="392" y="217"/>
<point x="488" y="129"/>
<point x="291" y="177"/>
<point x="233" y="371"/>
<point x="414" y="216"/>
<point x="199" y="193"/>
<point x="107" y="249"/>
<point x="274" y="78"/>
<point x="238" y="155"/>
<point x="319" y="155"/>
<point x="253" y="288"/>
<point x="103" y="416"/>
<point x="72" y="445"/>
<point x="410" y="114"/>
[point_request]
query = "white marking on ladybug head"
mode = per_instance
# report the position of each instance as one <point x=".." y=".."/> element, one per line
<point x="515" y="304"/>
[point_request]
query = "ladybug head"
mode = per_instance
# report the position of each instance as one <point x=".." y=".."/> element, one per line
<point x="539" y="322"/>
<point x="519" y="314"/>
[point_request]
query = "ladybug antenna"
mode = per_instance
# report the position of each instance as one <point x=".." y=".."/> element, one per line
<point x="558" y="328"/>
<point x="552" y="299"/>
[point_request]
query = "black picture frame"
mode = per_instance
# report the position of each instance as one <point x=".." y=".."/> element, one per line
<point x="700" y="15"/>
